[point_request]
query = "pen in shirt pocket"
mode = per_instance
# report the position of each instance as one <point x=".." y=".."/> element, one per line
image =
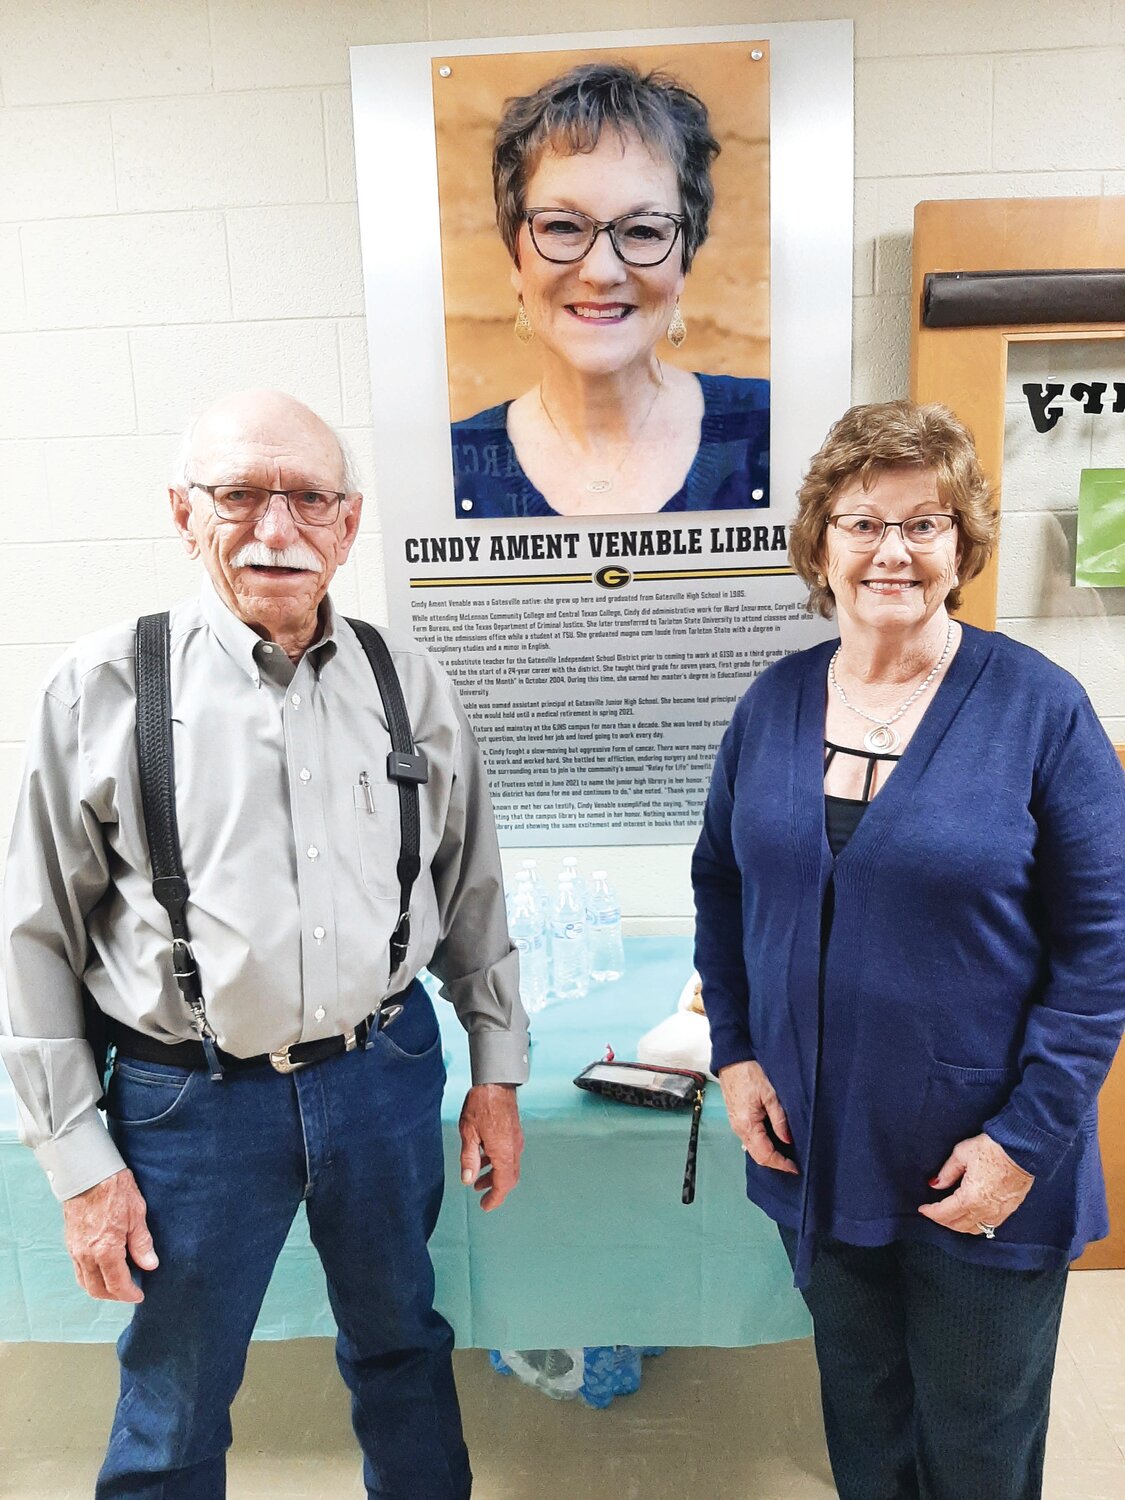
<point x="368" y="794"/>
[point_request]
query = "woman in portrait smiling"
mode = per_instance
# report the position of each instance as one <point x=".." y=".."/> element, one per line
<point x="910" y="897"/>
<point x="602" y="180"/>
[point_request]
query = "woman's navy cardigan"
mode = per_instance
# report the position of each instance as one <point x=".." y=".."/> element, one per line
<point x="960" y="967"/>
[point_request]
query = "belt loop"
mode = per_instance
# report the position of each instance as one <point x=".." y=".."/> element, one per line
<point x="212" y="1057"/>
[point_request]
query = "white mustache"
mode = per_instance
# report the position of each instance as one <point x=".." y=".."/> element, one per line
<point x="257" y="554"/>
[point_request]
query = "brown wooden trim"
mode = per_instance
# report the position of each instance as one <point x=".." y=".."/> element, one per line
<point x="966" y="368"/>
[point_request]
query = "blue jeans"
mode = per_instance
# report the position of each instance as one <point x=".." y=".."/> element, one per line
<point x="223" y="1167"/>
<point x="935" y="1373"/>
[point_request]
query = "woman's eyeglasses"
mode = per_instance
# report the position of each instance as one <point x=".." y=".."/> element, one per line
<point x="564" y="236"/>
<point x="864" y="533"/>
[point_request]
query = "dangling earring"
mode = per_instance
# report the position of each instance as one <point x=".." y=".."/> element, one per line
<point x="522" y="327"/>
<point x="677" y="328"/>
<point x="821" y="581"/>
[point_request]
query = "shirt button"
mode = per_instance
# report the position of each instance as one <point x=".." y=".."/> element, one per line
<point x="306" y="774"/>
<point x="312" y="851"/>
<point x="319" y="1013"/>
<point x="50" y="1177"/>
<point x="318" y="933"/>
<point x="296" y="700"/>
<point x="266" y="647"/>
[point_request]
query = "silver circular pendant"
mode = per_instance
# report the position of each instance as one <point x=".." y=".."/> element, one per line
<point x="599" y="486"/>
<point x="882" y="740"/>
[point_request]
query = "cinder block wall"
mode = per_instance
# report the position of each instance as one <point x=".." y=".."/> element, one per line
<point x="177" y="218"/>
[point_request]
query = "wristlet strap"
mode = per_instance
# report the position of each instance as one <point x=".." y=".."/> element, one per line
<point x="688" y="1195"/>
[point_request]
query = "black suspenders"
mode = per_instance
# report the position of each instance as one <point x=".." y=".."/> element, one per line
<point x="158" y="799"/>
<point x="405" y="765"/>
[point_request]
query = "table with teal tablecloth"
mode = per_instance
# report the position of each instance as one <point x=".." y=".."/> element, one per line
<point x="594" y="1247"/>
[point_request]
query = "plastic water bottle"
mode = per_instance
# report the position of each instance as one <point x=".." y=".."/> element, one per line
<point x="603" y="930"/>
<point x="570" y="977"/>
<point x="531" y="870"/>
<point x="528" y="934"/>
<point x="570" y="871"/>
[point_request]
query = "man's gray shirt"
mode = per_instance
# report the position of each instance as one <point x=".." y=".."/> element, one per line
<point x="290" y="836"/>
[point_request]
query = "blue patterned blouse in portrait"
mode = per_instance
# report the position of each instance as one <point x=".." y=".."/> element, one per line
<point x="730" y="470"/>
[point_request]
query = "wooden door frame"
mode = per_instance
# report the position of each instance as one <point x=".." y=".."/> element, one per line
<point x="967" y="370"/>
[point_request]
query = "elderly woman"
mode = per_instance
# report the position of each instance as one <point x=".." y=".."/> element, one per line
<point x="603" y="191"/>
<point x="911" y="930"/>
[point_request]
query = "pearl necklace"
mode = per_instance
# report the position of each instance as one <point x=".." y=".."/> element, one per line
<point x="883" y="738"/>
<point x="600" y="485"/>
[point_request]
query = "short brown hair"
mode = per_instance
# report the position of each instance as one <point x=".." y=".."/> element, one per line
<point x="866" y="441"/>
<point x="571" y="111"/>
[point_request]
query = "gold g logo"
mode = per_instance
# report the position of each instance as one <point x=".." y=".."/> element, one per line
<point x="613" y="577"/>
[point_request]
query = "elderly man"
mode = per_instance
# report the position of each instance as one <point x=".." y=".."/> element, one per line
<point x="290" y="832"/>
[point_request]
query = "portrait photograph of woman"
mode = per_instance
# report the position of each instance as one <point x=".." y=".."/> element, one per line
<point x="605" y="254"/>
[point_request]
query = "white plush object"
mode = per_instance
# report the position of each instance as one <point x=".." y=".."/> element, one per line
<point x="679" y="1041"/>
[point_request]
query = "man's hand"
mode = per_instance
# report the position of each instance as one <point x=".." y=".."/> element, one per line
<point x="751" y="1099"/>
<point x="992" y="1187"/>
<point x="102" y="1224"/>
<point x="491" y="1138"/>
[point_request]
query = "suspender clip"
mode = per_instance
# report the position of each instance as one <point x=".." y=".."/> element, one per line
<point x="183" y="960"/>
<point x="400" y="940"/>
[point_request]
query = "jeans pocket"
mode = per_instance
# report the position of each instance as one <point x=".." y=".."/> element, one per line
<point x="148" y="1093"/>
<point x="414" y="1035"/>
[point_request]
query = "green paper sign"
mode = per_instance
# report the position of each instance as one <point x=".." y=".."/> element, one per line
<point x="1100" y="555"/>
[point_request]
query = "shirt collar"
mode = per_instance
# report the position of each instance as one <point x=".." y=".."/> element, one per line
<point x="242" y="644"/>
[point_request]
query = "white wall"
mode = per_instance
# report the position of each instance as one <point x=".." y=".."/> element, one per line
<point x="177" y="218"/>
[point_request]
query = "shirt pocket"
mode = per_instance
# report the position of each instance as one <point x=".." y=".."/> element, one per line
<point x="956" y="1101"/>
<point x="378" y="835"/>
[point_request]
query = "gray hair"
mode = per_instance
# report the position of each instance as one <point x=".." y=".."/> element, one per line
<point x="571" y="111"/>
<point x="181" y="474"/>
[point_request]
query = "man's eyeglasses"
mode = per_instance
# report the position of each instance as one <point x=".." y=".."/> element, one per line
<point x="241" y="502"/>
<point x="864" y="533"/>
<point x="564" y="236"/>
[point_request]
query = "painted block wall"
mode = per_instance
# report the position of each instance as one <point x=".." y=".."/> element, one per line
<point x="177" y="218"/>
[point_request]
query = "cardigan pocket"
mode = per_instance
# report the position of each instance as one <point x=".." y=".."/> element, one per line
<point x="956" y="1101"/>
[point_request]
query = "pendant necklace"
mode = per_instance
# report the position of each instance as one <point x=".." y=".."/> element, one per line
<point x="883" y="739"/>
<point x="601" y="485"/>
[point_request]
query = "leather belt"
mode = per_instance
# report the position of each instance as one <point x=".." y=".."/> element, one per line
<point x="142" y="1048"/>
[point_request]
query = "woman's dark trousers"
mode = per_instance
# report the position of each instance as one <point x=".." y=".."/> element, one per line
<point x="935" y="1373"/>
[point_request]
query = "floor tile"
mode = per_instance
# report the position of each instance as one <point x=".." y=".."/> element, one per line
<point x="724" y="1424"/>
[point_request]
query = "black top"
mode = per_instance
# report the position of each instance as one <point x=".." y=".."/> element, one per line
<point x="842" y="814"/>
